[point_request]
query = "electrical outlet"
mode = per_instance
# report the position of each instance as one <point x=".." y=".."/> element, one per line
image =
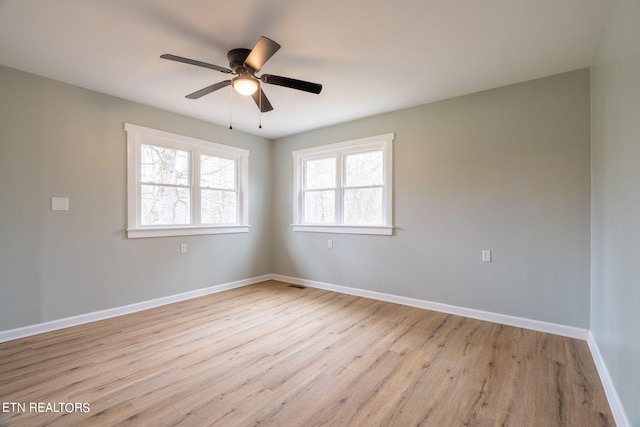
<point x="330" y="244"/>
<point x="486" y="255"/>
<point x="183" y="248"/>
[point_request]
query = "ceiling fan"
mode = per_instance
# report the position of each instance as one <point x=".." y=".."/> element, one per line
<point x="244" y="64"/>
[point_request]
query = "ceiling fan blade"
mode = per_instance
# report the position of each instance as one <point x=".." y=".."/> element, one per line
<point x="207" y="90"/>
<point x="263" y="103"/>
<point x="291" y="83"/>
<point x="194" y="62"/>
<point x="261" y="52"/>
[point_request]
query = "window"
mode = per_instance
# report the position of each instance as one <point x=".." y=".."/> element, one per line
<point x="180" y="186"/>
<point x="344" y="187"/>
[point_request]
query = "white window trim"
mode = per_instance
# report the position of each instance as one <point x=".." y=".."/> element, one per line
<point x="384" y="142"/>
<point x="138" y="135"/>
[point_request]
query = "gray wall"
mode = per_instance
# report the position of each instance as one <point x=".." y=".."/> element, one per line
<point x="506" y="169"/>
<point x="60" y="140"/>
<point x="615" y="261"/>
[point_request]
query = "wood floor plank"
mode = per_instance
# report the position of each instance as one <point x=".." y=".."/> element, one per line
<point x="274" y="355"/>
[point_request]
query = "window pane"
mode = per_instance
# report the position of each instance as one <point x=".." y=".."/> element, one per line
<point x="218" y="207"/>
<point x="363" y="206"/>
<point x="319" y="207"/>
<point x="162" y="205"/>
<point x="320" y="173"/>
<point x="162" y="165"/>
<point x="216" y="172"/>
<point x="364" y="169"/>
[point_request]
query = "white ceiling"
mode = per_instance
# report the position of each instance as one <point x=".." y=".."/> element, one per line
<point x="371" y="56"/>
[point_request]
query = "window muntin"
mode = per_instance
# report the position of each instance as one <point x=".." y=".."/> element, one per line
<point x="344" y="187"/>
<point x="179" y="185"/>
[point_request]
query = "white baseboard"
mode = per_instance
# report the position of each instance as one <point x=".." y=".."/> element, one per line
<point x="54" y="325"/>
<point x="615" y="404"/>
<point x="536" y="325"/>
<point x="520" y="322"/>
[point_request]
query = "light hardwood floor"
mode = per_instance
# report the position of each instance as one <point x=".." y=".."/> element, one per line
<point x="275" y="355"/>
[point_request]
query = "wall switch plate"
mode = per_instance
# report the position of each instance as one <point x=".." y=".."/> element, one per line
<point x="486" y="255"/>
<point x="330" y="244"/>
<point x="59" y="203"/>
<point x="183" y="248"/>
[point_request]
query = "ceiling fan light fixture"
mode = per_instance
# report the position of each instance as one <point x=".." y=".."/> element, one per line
<point x="245" y="85"/>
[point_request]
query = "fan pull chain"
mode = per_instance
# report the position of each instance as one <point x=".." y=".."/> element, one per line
<point x="231" y="108"/>
<point x="260" y="108"/>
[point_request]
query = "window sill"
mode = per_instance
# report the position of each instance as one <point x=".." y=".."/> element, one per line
<point x="381" y="230"/>
<point x="137" y="233"/>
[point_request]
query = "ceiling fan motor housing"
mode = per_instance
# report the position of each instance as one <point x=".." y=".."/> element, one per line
<point x="236" y="59"/>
